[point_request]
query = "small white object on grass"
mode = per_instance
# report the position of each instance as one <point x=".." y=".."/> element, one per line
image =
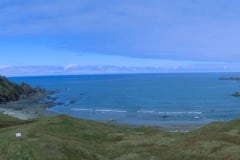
<point x="18" y="134"/>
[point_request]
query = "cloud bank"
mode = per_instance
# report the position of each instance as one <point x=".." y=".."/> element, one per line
<point x="74" y="69"/>
<point x="183" y="30"/>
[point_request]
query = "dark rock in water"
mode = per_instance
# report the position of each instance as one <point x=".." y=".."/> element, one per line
<point x="72" y="101"/>
<point x="165" y="116"/>
<point x="236" y="94"/>
<point x="38" y="89"/>
<point x="230" y="78"/>
<point x="18" y="108"/>
<point x="59" y="103"/>
<point x="51" y="98"/>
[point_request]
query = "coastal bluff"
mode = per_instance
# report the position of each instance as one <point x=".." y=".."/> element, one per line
<point x="10" y="91"/>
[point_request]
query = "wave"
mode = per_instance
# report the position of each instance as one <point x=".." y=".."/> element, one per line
<point x="169" y="113"/>
<point x="179" y="112"/>
<point x="196" y="117"/>
<point x="98" y="110"/>
<point x="151" y="112"/>
<point x="142" y="111"/>
<point x="108" y="110"/>
<point x="81" y="109"/>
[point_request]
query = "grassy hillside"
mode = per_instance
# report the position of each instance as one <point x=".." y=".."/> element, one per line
<point x="63" y="137"/>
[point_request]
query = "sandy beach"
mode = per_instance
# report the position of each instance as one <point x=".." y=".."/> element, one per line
<point x="28" y="108"/>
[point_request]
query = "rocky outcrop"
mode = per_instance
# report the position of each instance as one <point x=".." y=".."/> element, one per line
<point x="236" y="94"/>
<point x="230" y="78"/>
<point x="10" y="91"/>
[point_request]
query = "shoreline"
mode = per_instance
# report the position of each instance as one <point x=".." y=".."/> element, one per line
<point x="37" y="105"/>
<point x="31" y="107"/>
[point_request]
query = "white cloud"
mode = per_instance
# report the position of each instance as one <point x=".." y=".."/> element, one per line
<point x="75" y="69"/>
<point x="70" y="66"/>
<point x="5" y="66"/>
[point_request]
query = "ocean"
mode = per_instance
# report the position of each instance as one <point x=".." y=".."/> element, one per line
<point x="144" y="99"/>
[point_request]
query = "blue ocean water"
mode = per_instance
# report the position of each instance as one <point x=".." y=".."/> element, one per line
<point x="150" y="99"/>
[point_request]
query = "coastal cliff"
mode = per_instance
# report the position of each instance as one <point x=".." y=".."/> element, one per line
<point x="10" y="91"/>
<point x="23" y="101"/>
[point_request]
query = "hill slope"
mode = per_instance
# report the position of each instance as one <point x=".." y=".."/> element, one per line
<point x="63" y="137"/>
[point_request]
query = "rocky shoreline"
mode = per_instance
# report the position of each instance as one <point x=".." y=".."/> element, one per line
<point x="24" y="102"/>
<point x="30" y="107"/>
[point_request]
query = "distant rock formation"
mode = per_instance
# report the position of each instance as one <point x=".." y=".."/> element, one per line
<point x="236" y="94"/>
<point x="10" y="91"/>
<point x="230" y="78"/>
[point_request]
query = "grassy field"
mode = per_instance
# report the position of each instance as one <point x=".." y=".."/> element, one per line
<point x="63" y="137"/>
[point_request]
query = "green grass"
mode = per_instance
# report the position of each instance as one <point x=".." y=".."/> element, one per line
<point x="63" y="137"/>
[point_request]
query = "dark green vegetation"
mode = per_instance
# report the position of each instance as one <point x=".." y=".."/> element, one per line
<point x="63" y="137"/>
<point x="10" y="91"/>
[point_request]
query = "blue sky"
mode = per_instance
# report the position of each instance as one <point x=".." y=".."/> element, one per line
<point x="39" y="37"/>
